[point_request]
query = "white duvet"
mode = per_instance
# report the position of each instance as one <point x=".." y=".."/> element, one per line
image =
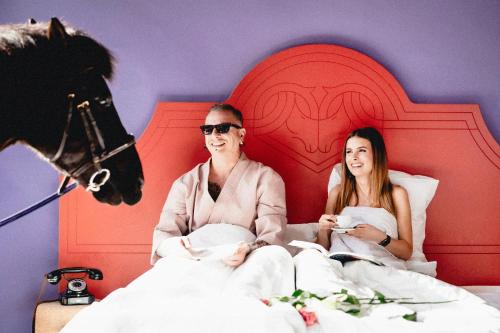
<point x="185" y="295"/>
<point x="465" y="313"/>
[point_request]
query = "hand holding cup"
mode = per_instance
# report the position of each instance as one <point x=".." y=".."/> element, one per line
<point x="343" y="221"/>
<point x="327" y="222"/>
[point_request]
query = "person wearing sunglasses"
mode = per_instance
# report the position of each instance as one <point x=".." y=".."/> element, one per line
<point x="229" y="188"/>
<point x="229" y="215"/>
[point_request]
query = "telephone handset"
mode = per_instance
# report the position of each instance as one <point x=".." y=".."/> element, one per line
<point x="76" y="292"/>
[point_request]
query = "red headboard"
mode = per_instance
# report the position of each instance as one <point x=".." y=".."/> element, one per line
<point x="298" y="106"/>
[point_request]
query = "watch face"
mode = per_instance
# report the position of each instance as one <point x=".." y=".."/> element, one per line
<point x="77" y="285"/>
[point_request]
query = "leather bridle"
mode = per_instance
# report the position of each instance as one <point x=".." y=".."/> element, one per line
<point x="97" y="146"/>
<point x="98" y="150"/>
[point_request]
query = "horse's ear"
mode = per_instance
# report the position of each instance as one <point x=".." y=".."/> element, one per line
<point x="56" y="30"/>
<point x="31" y="21"/>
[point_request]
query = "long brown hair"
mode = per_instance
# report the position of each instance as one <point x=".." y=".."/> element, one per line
<point x="380" y="186"/>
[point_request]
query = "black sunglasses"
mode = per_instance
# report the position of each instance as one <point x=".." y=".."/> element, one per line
<point x="221" y="128"/>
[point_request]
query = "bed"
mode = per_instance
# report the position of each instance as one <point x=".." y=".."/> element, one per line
<point x="299" y="104"/>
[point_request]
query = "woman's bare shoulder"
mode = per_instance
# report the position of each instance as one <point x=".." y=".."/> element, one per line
<point x="332" y="198"/>
<point x="333" y="194"/>
<point x="334" y="191"/>
<point x="399" y="193"/>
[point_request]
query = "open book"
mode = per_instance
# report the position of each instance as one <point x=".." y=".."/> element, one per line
<point x="343" y="257"/>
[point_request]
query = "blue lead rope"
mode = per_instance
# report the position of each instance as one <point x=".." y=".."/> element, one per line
<point x="34" y="207"/>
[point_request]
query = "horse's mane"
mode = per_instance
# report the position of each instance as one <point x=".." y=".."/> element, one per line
<point x="20" y="39"/>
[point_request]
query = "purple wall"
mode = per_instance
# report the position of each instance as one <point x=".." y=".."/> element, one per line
<point x="440" y="51"/>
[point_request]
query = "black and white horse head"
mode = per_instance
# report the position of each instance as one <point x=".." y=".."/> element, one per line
<point x="54" y="98"/>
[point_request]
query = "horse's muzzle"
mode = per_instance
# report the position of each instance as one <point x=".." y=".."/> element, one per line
<point x="113" y="195"/>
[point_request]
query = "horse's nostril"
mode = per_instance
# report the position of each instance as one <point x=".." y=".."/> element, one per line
<point x="132" y="199"/>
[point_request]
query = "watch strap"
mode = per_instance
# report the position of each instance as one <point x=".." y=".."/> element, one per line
<point x="385" y="242"/>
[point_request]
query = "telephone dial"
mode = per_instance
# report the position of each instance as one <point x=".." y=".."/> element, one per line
<point x="76" y="291"/>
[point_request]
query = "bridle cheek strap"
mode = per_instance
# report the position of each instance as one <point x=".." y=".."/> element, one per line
<point x="59" y="152"/>
<point x="101" y="175"/>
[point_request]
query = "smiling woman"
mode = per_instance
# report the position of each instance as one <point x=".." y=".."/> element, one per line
<point x="365" y="185"/>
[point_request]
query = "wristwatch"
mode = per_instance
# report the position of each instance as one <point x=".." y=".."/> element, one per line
<point x="385" y="242"/>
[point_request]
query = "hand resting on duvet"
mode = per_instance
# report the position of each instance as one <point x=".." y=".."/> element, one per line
<point x="211" y="242"/>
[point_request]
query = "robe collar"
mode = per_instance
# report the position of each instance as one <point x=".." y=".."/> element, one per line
<point x="206" y="167"/>
<point x="228" y="190"/>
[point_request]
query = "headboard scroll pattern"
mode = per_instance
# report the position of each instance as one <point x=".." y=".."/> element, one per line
<point x="298" y="106"/>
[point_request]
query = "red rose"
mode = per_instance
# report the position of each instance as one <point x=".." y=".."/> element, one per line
<point x="266" y="301"/>
<point x="308" y="316"/>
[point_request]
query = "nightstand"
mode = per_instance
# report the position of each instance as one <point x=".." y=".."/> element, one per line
<point x="51" y="316"/>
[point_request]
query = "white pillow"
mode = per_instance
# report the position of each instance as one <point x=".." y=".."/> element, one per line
<point x="421" y="190"/>
<point x="301" y="231"/>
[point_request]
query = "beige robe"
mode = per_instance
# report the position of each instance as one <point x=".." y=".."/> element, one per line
<point x="252" y="197"/>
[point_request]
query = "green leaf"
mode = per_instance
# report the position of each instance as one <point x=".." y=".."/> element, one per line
<point x="353" y="312"/>
<point x="380" y="297"/>
<point x="311" y="295"/>
<point x="351" y="299"/>
<point x="284" y="299"/>
<point x="297" y="293"/>
<point x="411" y="317"/>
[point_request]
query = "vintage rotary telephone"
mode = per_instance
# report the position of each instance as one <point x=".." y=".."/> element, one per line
<point x="76" y="292"/>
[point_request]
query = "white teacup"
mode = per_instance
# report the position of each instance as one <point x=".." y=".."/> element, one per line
<point x="343" y="221"/>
